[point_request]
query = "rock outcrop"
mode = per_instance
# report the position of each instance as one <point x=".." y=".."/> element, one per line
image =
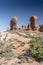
<point x="30" y="27"/>
<point x="24" y="27"/>
<point x="41" y="28"/>
<point x="13" y="23"/>
<point x="33" y="23"/>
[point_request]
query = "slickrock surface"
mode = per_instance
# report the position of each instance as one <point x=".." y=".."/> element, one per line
<point x="13" y="48"/>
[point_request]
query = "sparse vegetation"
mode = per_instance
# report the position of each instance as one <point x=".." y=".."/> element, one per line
<point x="36" y="48"/>
<point x="22" y="46"/>
<point x="7" y="52"/>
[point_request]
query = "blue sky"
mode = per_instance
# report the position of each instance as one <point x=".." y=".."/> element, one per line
<point x="23" y="9"/>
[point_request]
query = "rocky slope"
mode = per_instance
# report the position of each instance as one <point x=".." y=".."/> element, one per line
<point x="14" y="46"/>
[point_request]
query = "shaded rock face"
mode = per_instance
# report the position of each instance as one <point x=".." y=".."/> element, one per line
<point x="41" y="28"/>
<point x="33" y="22"/>
<point x="23" y="27"/>
<point x="29" y="27"/>
<point x="13" y="23"/>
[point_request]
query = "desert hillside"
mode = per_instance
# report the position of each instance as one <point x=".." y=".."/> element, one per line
<point x="21" y="48"/>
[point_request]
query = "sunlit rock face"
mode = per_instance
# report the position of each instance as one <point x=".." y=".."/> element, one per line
<point x="13" y="23"/>
<point x="30" y="27"/>
<point x="33" y="22"/>
<point x="41" y="28"/>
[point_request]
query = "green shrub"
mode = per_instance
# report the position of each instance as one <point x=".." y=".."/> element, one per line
<point x="36" y="48"/>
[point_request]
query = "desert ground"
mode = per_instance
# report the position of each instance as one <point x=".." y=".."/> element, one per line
<point x="14" y="46"/>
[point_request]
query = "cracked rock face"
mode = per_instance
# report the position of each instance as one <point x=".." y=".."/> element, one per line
<point x="13" y="23"/>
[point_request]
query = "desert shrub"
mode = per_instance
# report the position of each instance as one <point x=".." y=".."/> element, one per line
<point x="6" y="51"/>
<point x="1" y="47"/>
<point x="1" y="44"/>
<point x="36" y="48"/>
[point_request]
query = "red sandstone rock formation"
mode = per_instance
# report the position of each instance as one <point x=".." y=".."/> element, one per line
<point x="41" y="28"/>
<point x="29" y="27"/>
<point x="33" y="23"/>
<point x="24" y="27"/>
<point x="13" y="23"/>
